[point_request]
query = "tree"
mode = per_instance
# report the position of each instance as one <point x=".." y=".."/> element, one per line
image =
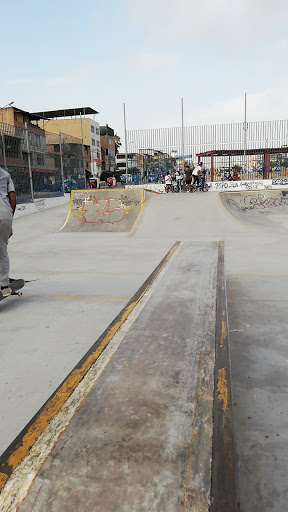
<point x="118" y="143"/>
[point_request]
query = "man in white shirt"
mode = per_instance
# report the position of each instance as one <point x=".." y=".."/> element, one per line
<point x="168" y="181"/>
<point x="196" y="173"/>
<point x="7" y="209"/>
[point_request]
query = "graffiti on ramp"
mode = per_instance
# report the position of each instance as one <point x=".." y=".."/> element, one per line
<point x="104" y="210"/>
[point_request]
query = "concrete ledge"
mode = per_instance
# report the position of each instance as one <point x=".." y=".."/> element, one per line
<point x="224" y="465"/>
<point x="39" y="205"/>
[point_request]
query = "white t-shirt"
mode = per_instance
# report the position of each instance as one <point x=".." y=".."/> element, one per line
<point x="196" y="170"/>
<point x="6" y="186"/>
<point x="168" y="179"/>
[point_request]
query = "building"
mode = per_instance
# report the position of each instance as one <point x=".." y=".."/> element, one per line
<point x="108" y="148"/>
<point x="74" y="123"/>
<point x="23" y="146"/>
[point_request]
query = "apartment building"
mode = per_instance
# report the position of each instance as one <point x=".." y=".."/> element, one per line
<point x="75" y="123"/>
<point x="23" y="144"/>
<point x="108" y="148"/>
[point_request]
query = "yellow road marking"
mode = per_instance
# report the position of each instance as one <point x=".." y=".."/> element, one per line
<point x="54" y="404"/>
<point x="140" y="211"/>
<point x="222" y="388"/>
<point x="258" y="275"/>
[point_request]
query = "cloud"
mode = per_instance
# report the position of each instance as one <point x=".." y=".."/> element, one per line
<point x="265" y="105"/>
<point x="219" y="21"/>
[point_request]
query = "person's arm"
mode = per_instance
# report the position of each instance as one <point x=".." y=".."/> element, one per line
<point x="12" y="200"/>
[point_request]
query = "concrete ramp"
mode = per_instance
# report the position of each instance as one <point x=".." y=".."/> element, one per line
<point x="109" y="210"/>
<point x="267" y="209"/>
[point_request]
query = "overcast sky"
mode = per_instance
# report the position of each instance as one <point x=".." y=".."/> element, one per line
<point x="148" y="54"/>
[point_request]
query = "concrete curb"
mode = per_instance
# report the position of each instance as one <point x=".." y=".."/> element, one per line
<point x="224" y="466"/>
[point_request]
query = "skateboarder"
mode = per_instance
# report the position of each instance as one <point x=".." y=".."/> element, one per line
<point x="7" y="209"/>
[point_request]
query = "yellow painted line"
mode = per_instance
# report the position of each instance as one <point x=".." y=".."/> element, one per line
<point x="267" y="217"/>
<point x="84" y="297"/>
<point x="140" y="211"/>
<point x="69" y="211"/>
<point x="226" y="210"/>
<point x="222" y="388"/>
<point x="53" y="406"/>
<point x="258" y="275"/>
<point x="236" y="299"/>
<point x="223" y="332"/>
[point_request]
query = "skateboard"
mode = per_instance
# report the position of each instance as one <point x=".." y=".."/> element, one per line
<point x="15" y="285"/>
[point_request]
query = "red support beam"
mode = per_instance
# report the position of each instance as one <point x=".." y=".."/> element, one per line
<point x="266" y="165"/>
<point x="212" y="167"/>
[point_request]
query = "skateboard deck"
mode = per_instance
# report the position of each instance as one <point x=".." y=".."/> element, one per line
<point x="15" y="285"/>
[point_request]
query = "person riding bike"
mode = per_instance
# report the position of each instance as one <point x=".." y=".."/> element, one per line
<point x="197" y="173"/>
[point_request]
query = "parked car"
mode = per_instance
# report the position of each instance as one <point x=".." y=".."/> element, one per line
<point x="70" y="185"/>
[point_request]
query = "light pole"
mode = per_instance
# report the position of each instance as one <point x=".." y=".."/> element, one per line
<point x="125" y="132"/>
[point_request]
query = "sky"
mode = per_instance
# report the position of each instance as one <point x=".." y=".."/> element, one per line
<point x="147" y="54"/>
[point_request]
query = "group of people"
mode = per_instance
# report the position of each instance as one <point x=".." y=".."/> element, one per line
<point x="189" y="174"/>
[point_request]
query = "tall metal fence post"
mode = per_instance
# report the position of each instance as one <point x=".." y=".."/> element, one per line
<point x="125" y="133"/>
<point x="182" y="115"/>
<point x="4" y="151"/>
<point x="61" y="163"/>
<point x="29" y="163"/>
<point x="84" y="170"/>
<point x="245" y="128"/>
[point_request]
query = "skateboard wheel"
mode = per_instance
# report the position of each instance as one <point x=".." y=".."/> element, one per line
<point x="19" y="294"/>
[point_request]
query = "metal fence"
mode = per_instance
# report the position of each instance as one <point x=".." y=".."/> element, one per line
<point x="40" y="162"/>
<point x="239" y="150"/>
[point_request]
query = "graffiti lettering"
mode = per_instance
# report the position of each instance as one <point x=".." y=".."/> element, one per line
<point x="259" y="202"/>
<point x="127" y="201"/>
<point x="103" y="210"/>
<point x="40" y="204"/>
<point x="280" y="181"/>
<point x="21" y="208"/>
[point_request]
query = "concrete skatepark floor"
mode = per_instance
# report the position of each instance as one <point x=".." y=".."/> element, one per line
<point x="82" y="280"/>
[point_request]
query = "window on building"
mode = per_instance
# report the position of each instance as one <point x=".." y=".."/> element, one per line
<point x="37" y="141"/>
<point x="40" y="160"/>
<point x="93" y="142"/>
<point x="98" y="144"/>
<point x="97" y="131"/>
<point x="110" y="142"/>
<point x="92" y="129"/>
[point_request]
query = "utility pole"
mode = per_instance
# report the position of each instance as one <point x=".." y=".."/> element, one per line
<point x="85" y="184"/>
<point x="4" y="151"/>
<point x="245" y="128"/>
<point x="61" y="163"/>
<point x="182" y="115"/>
<point x="125" y="131"/>
<point x="29" y="162"/>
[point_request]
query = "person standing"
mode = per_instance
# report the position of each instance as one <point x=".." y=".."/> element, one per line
<point x="7" y="209"/>
<point x="168" y="181"/>
<point x="188" y="178"/>
<point x="178" y="178"/>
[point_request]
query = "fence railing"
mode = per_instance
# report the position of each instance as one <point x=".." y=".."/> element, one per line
<point x="42" y="164"/>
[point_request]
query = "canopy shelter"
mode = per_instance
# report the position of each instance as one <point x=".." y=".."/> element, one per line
<point x="265" y="152"/>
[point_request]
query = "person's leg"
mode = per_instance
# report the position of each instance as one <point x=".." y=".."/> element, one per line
<point x="5" y="231"/>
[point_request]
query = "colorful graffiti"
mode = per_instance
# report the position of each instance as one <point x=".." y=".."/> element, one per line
<point x="107" y="211"/>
